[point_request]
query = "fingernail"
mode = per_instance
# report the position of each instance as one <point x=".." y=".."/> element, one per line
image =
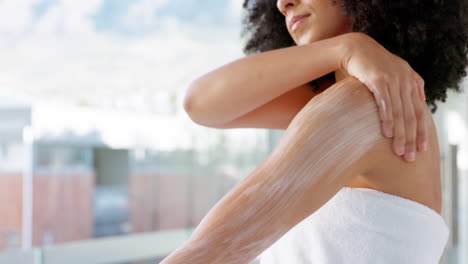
<point x="401" y="151"/>
<point x="386" y="132"/>
<point x="421" y="147"/>
<point x="424" y="146"/>
<point x="410" y="156"/>
<point x="384" y="109"/>
<point x="389" y="132"/>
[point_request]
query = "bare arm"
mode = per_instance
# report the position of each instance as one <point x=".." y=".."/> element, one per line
<point x="330" y="141"/>
<point x="247" y="83"/>
<point x="276" y="114"/>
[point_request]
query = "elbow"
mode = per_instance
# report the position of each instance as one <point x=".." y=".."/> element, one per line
<point x="188" y="106"/>
<point x="190" y="109"/>
<point x="197" y="109"/>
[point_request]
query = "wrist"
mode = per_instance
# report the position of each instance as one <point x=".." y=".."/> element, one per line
<point x="346" y="47"/>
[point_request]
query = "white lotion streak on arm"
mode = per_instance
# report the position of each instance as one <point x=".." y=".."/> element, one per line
<point x="325" y="146"/>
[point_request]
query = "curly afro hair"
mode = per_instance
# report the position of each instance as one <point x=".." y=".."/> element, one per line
<point x="431" y="35"/>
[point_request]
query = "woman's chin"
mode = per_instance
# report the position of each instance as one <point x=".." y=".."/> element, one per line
<point x="302" y="42"/>
<point x="304" y="39"/>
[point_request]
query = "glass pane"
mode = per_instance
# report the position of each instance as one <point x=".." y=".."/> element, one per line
<point x="98" y="86"/>
<point x="63" y="190"/>
<point x="175" y="189"/>
<point x="14" y="116"/>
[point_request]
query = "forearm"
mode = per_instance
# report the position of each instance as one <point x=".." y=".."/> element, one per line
<point x="247" y="83"/>
<point x="231" y="232"/>
<point x="325" y="146"/>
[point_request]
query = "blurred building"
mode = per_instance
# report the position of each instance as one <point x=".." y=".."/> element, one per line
<point x="71" y="173"/>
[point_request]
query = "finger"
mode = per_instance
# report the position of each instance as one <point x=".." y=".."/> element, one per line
<point x="410" y="120"/>
<point x="387" y="108"/>
<point x="399" y="135"/>
<point x="379" y="90"/>
<point x="421" y="130"/>
<point x="420" y="85"/>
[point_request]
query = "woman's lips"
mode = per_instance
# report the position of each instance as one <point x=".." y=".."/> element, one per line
<point x="298" y="22"/>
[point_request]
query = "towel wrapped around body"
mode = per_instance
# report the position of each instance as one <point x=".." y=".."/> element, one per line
<point x="361" y="225"/>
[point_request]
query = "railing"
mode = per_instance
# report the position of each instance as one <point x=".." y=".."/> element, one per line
<point x="116" y="249"/>
<point x="20" y="257"/>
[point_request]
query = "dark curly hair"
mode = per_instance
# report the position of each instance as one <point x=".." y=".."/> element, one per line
<point x="431" y="35"/>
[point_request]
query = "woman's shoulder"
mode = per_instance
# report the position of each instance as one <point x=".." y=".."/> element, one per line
<point x="385" y="171"/>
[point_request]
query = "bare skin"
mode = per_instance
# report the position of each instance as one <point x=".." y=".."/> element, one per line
<point x="418" y="181"/>
<point x="297" y="179"/>
<point x="324" y="45"/>
<point x="390" y="84"/>
<point x="333" y="140"/>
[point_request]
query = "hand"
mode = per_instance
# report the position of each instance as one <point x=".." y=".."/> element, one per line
<point x="397" y="88"/>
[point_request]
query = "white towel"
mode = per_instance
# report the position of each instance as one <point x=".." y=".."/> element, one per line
<point x="361" y="225"/>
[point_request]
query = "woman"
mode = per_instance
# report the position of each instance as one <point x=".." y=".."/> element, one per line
<point x="333" y="190"/>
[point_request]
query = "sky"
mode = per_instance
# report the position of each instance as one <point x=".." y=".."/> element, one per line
<point x="136" y="55"/>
